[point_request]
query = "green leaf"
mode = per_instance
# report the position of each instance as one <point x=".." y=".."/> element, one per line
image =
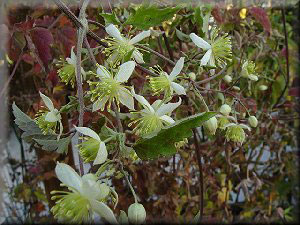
<point x="110" y="18"/>
<point x="163" y="142"/>
<point x="60" y="146"/>
<point x="199" y="21"/>
<point x="147" y="16"/>
<point x="182" y="36"/>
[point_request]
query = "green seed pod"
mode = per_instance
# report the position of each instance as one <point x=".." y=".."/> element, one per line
<point x="136" y="213"/>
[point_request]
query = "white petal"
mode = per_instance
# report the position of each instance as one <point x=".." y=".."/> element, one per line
<point x="70" y="61"/>
<point x="138" y="56"/>
<point x="88" y="132"/>
<point x="245" y="127"/>
<point x="177" y="69"/>
<point x="206" y="57"/>
<point x="155" y="105"/>
<point x="99" y="104"/>
<point x="140" y="37"/>
<point x="101" y="155"/>
<point x="200" y="42"/>
<point x="68" y="176"/>
<point x="253" y="77"/>
<point x="168" y="108"/>
<point x="47" y="101"/>
<point x="114" y="32"/>
<point x="103" y="72"/>
<point x="73" y="56"/>
<point x="178" y="88"/>
<point x="51" y="117"/>
<point x="126" y="98"/>
<point x="125" y="71"/>
<point x="142" y="101"/>
<point x="167" y="119"/>
<point x="90" y="189"/>
<point x="103" y="211"/>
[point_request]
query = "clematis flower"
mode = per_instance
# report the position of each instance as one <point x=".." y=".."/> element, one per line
<point x="110" y="87"/>
<point x="217" y="50"/>
<point x="47" y="119"/>
<point x="165" y="83"/>
<point x="85" y="197"/>
<point x="248" y="70"/>
<point x="153" y="117"/>
<point x="67" y="72"/>
<point x="120" y="47"/>
<point x="92" y="148"/>
<point x="235" y="132"/>
<point x="211" y="125"/>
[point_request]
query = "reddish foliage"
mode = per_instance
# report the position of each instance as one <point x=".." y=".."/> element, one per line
<point x="261" y="16"/>
<point x="53" y="77"/>
<point x="67" y="37"/>
<point x="216" y="13"/>
<point x="42" y="39"/>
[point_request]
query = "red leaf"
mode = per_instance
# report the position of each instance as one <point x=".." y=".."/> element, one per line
<point x="42" y="39"/>
<point x="216" y="13"/>
<point x="28" y="58"/>
<point x="25" y="26"/>
<point x="261" y="16"/>
<point x="53" y="78"/>
<point x="294" y="91"/>
<point x="67" y="37"/>
<point x="45" y="22"/>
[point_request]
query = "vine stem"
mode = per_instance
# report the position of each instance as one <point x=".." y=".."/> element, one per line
<point x="80" y="37"/>
<point x="128" y="182"/>
<point x="201" y="187"/>
<point x="286" y="57"/>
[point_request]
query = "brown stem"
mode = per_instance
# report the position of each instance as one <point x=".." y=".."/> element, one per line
<point x="167" y="44"/>
<point x="201" y="187"/>
<point x="92" y="57"/>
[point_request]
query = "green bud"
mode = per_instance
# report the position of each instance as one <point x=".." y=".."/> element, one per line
<point x="263" y="87"/>
<point x="252" y="121"/>
<point x="192" y="76"/>
<point x="236" y="88"/>
<point x="227" y="78"/>
<point x="136" y="213"/>
<point x="211" y="125"/>
<point x="225" y="109"/>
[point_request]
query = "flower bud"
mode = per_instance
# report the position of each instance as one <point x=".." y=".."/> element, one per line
<point x="263" y="87"/>
<point x="211" y="125"/>
<point x="236" y="88"/>
<point x="227" y="78"/>
<point x="225" y="109"/>
<point x="221" y="97"/>
<point x="252" y="121"/>
<point x="192" y="76"/>
<point x="136" y="213"/>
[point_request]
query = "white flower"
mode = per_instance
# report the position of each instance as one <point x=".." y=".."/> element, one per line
<point x="248" y="70"/>
<point x="235" y="132"/>
<point x="86" y="197"/>
<point x="219" y="51"/>
<point x="53" y="116"/>
<point x="110" y="87"/>
<point x="165" y="82"/>
<point x="211" y="125"/>
<point x="153" y="117"/>
<point x="120" y="46"/>
<point x="73" y="61"/>
<point x="101" y="152"/>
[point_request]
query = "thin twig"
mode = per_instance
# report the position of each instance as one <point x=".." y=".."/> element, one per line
<point x="91" y="54"/>
<point x="286" y="57"/>
<point x="167" y="43"/>
<point x="211" y="78"/>
<point x="115" y="109"/>
<point x="201" y="187"/>
<point x="11" y="75"/>
<point x="81" y="34"/>
<point x="157" y="54"/>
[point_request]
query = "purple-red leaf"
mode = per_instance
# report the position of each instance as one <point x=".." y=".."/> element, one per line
<point x="42" y="39"/>
<point x="261" y="16"/>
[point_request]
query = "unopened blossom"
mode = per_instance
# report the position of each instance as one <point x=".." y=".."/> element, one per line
<point x="248" y="70"/>
<point x="166" y="82"/>
<point x="85" y="196"/>
<point x="263" y="87"/>
<point x="67" y="72"/>
<point x="48" y="119"/>
<point x="153" y="117"/>
<point x="136" y="213"/>
<point x="252" y="121"/>
<point x="217" y="50"/>
<point x="235" y="132"/>
<point x="227" y="78"/>
<point x="110" y="87"/>
<point x="225" y="109"/>
<point x="211" y="125"/>
<point x="92" y="148"/>
<point x="119" y="46"/>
